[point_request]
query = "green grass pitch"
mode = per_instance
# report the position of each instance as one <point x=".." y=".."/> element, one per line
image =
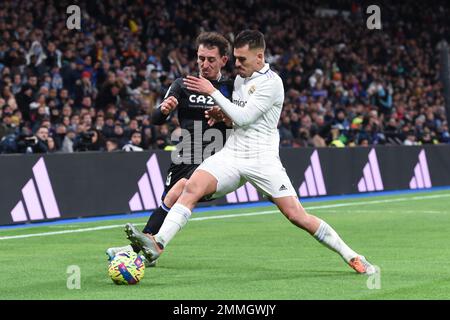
<point x="260" y="256"/>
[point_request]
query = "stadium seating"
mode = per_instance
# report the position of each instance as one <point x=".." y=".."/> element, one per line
<point x="345" y="85"/>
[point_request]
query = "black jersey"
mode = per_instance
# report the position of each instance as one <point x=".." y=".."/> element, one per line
<point x="191" y="115"/>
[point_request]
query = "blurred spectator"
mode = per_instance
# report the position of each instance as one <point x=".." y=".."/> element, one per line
<point x="112" y="145"/>
<point x="135" y="142"/>
<point x="69" y="140"/>
<point x="163" y="139"/>
<point x="51" y="145"/>
<point x="410" y="139"/>
<point x="6" y="126"/>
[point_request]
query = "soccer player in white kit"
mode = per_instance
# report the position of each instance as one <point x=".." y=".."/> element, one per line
<point x="250" y="154"/>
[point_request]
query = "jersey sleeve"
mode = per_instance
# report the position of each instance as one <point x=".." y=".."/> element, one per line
<point x="158" y="117"/>
<point x="259" y="103"/>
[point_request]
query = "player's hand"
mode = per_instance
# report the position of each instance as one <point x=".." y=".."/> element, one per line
<point x="201" y="85"/>
<point x="215" y="115"/>
<point x="228" y="122"/>
<point x="168" y="105"/>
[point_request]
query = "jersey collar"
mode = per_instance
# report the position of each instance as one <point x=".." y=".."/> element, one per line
<point x="219" y="77"/>
<point x="263" y="70"/>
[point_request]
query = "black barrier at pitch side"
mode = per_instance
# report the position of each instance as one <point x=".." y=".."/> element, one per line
<point x="35" y="188"/>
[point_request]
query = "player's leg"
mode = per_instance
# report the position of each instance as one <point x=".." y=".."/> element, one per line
<point x="216" y="176"/>
<point x="200" y="184"/>
<point x="176" y="178"/>
<point x="271" y="178"/>
<point x="156" y="220"/>
<point x="320" y="230"/>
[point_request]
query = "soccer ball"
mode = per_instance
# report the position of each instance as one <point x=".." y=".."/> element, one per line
<point x="126" y="268"/>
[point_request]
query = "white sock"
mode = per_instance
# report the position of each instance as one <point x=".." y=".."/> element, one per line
<point x="177" y="217"/>
<point x="329" y="238"/>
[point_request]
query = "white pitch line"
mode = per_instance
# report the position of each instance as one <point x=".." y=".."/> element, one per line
<point x="225" y="216"/>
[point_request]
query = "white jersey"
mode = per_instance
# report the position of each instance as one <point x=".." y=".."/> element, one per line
<point x="251" y="152"/>
<point x="255" y="111"/>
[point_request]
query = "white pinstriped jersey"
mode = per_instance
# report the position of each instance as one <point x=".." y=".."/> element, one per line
<point x="260" y="100"/>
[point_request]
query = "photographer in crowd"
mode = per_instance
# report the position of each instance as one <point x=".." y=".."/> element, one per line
<point x="89" y="140"/>
<point x="33" y="143"/>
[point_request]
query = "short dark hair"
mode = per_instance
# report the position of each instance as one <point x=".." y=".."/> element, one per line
<point x="253" y="38"/>
<point x="214" y="39"/>
<point x="113" y="140"/>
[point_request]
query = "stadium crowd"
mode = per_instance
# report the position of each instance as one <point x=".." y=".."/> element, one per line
<point x="67" y="90"/>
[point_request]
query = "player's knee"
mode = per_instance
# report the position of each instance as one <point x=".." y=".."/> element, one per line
<point x="170" y="199"/>
<point x="293" y="217"/>
<point x="174" y="193"/>
<point x="193" y="189"/>
<point x="296" y="216"/>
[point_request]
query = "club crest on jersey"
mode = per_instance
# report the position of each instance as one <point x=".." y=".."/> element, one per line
<point x="252" y="89"/>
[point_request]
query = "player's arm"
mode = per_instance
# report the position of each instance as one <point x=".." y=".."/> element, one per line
<point x="259" y="103"/>
<point x="162" y="112"/>
<point x="215" y="114"/>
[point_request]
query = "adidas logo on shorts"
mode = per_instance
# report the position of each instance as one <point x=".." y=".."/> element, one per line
<point x="282" y="188"/>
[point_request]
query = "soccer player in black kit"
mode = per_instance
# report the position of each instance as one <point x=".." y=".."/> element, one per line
<point x="212" y="55"/>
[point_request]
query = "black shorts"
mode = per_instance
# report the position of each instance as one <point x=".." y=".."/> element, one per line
<point x="177" y="172"/>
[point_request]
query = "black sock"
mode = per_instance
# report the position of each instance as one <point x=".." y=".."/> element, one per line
<point x="156" y="220"/>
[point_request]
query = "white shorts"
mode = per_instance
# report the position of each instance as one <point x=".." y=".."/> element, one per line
<point x="267" y="174"/>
